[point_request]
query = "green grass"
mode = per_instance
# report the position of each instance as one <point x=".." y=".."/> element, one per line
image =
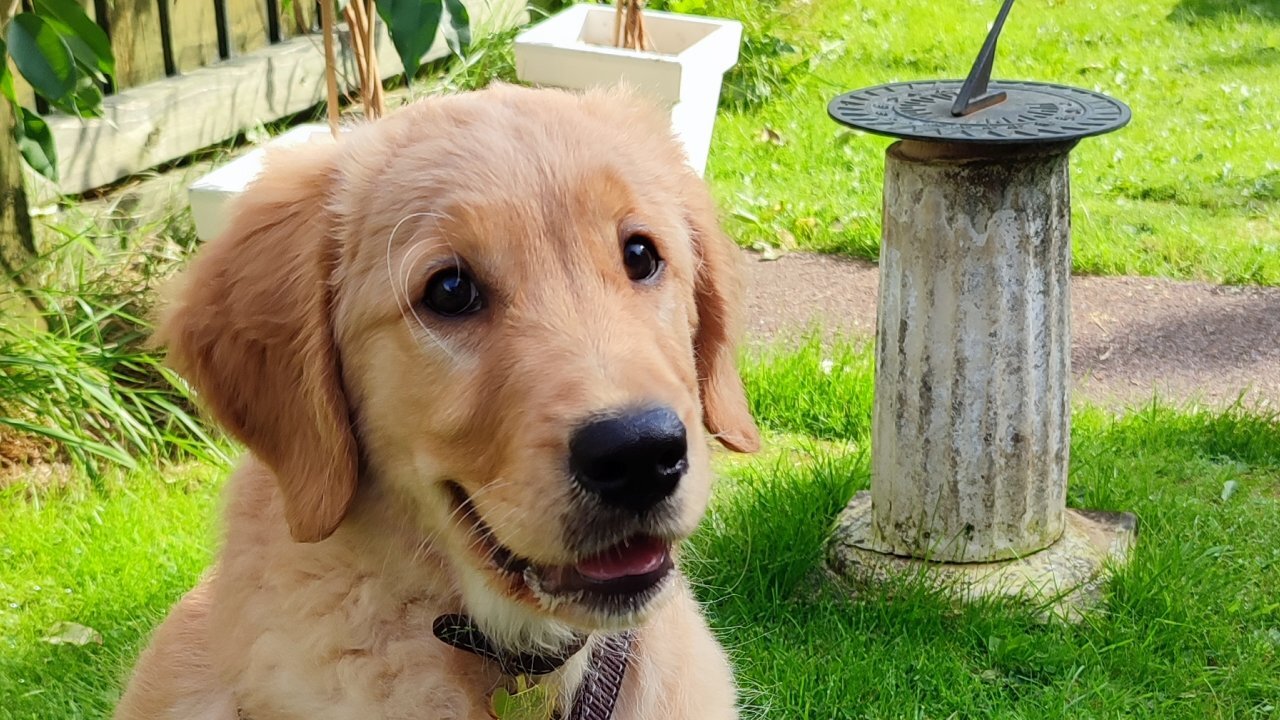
<point x="1190" y="189"/>
<point x="1191" y="628"/>
<point x="111" y="556"/>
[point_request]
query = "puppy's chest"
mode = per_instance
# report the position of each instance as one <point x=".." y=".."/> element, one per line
<point x="408" y="674"/>
<point x="356" y="654"/>
<point x="368" y="651"/>
<point x="405" y="678"/>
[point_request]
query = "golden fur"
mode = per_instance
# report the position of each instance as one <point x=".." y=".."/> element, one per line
<point x="301" y="329"/>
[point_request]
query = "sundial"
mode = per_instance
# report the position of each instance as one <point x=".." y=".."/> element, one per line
<point x="979" y="110"/>
<point x="971" y="427"/>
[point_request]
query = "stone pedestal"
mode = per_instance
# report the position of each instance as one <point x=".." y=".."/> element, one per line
<point x="972" y="424"/>
<point x="1064" y="580"/>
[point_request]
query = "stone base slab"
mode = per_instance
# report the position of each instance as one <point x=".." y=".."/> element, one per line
<point x="1067" y="577"/>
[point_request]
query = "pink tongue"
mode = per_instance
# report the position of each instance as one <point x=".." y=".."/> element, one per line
<point x="638" y="556"/>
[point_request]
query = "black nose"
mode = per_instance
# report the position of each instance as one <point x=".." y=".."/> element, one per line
<point x="632" y="460"/>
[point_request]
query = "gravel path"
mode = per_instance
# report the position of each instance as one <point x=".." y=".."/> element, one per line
<point x="1132" y="337"/>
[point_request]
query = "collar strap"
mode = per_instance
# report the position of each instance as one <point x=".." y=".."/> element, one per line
<point x="597" y="695"/>
<point x="462" y="633"/>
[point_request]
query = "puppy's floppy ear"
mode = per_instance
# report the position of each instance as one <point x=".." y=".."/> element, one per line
<point x="718" y="292"/>
<point x="251" y="331"/>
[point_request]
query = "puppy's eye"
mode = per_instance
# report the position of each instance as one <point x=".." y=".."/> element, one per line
<point x="452" y="292"/>
<point x="641" y="259"/>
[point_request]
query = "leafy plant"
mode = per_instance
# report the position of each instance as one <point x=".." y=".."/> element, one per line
<point x="767" y="64"/>
<point x="490" y="58"/>
<point x="67" y="60"/>
<point x="412" y="25"/>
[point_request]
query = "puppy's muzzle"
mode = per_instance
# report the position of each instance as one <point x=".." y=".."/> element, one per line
<point x="630" y="460"/>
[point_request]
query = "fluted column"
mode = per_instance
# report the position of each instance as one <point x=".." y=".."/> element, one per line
<point x="971" y="430"/>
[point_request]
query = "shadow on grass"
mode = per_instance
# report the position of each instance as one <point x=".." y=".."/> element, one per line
<point x="1254" y="57"/>
<point x="1195" y="11"/>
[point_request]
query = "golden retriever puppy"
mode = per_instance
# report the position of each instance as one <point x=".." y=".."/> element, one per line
<point x="476" y="351"/>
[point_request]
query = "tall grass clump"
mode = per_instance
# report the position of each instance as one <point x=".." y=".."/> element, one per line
<point x="85" y="382"/>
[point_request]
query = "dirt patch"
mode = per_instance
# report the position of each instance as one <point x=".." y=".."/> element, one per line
<point x="17" y="449"/>
<point x="1132" y="338"/>
<point x="29" y="461"/>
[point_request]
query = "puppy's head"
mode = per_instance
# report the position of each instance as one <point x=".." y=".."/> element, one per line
<point x="512" y="311"/>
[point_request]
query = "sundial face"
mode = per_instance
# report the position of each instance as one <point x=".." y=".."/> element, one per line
<point x="1032" y="112"/>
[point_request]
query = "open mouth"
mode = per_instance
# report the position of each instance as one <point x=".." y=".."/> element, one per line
<point x="620" y="578"/>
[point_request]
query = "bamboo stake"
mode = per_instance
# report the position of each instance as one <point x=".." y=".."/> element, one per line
<point x="355" y="21"/>
<point x="371" y="50"/>
<point x="642" y="33"/>
<point x="330" y="65"/>
<point x="362" y="20"/>
<point x="621" y="12"/>
<point x="357" y="53"/>
<point x="628" y="26"/>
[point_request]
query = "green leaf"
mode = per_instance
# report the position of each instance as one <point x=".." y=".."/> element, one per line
<point x="35" y="142"/>
<point x="86" y="58"/>
<point x="6" y="77"/>
<point x="529" y="702"/>
<point x="460" y="23"/>
<point x="412" y="25"/>
<point x="87" y="101"/>
<point x="95" y="44"/>
<point x="42" y="57"/>
<point x="69" y="633"/>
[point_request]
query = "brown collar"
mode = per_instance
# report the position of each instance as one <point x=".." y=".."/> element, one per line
<point x="598" y="693"/>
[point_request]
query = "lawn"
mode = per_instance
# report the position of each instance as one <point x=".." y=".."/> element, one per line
<point x="110" y="555"/>
<point x="1190" y="189"/>
<point x="1191" y="629"/>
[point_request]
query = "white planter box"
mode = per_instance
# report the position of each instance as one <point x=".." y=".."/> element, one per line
<point x="574" y="49"/>
<point x="211" y="195"/>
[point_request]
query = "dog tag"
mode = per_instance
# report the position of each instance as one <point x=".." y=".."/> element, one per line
<point x="530" y="701"/>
